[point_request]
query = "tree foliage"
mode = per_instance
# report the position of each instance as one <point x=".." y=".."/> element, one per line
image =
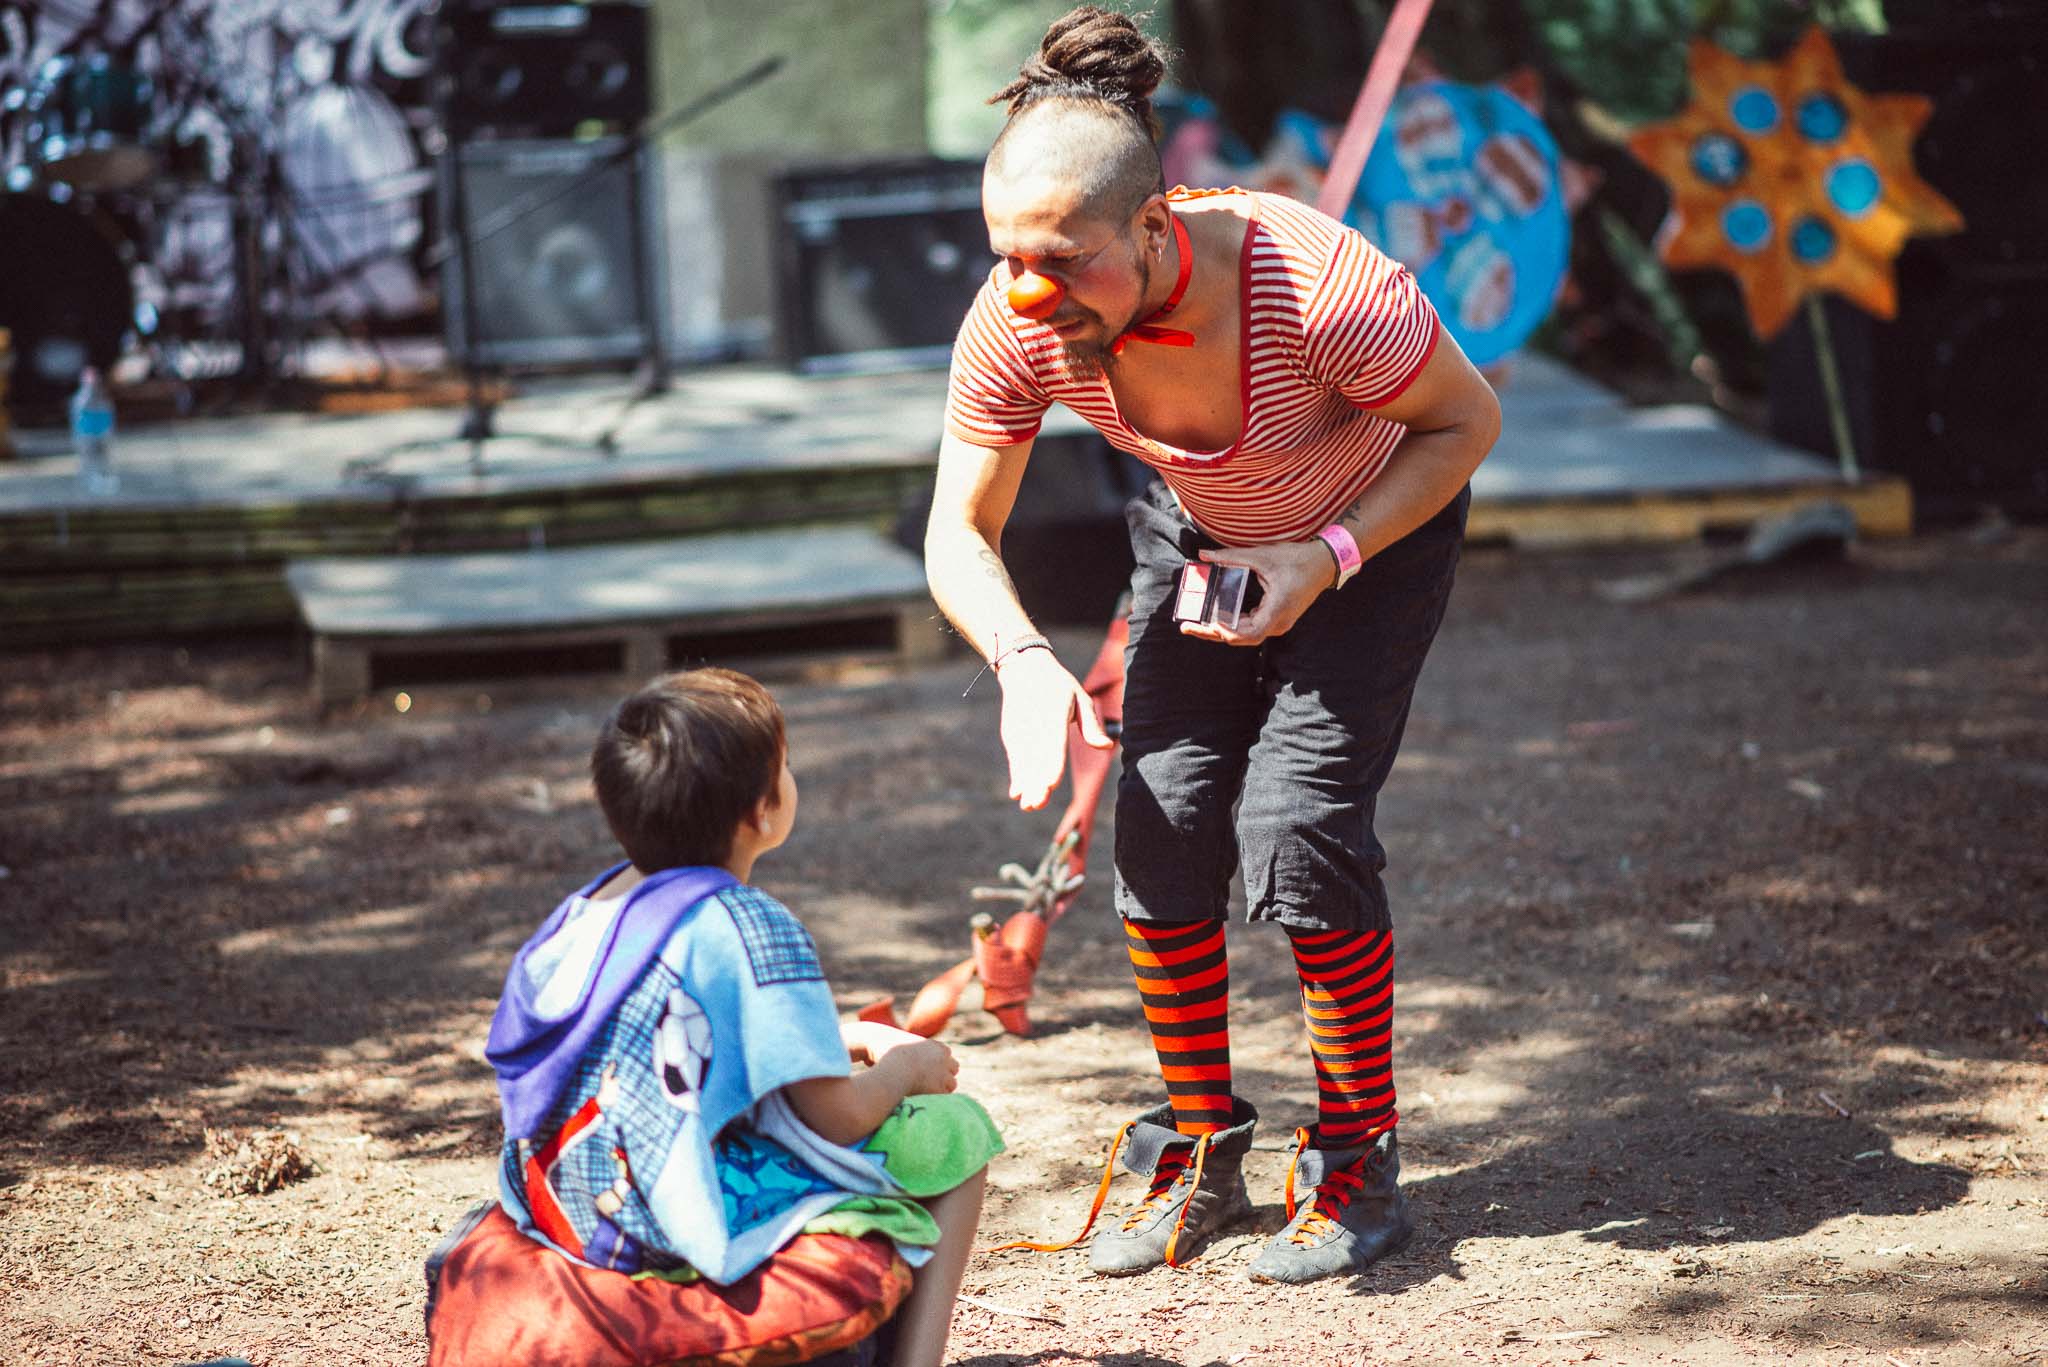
<point x="1629" y="55"/>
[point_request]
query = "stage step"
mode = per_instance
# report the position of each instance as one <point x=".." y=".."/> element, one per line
<point x="636" y="607"/>
<point x="69" y="574"/>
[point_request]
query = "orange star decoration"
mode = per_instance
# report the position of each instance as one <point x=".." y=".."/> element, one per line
<point x="1792" y="179"/>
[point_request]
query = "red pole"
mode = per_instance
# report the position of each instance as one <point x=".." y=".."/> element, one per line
<point x="1382" y="78"/>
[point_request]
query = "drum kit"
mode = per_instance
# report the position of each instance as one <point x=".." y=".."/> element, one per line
<point x="170" y="204"/>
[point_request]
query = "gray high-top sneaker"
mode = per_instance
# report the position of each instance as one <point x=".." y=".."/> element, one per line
<point x="1178" y="1213"/>
<point x="1353" y="1215"/>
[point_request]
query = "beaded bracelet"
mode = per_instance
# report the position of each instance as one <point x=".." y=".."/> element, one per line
<point x="1028" y="641"/>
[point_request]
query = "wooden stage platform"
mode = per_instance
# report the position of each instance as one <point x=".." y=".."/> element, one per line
<point x="210" y="511"/>
<point x="643" y="602"/>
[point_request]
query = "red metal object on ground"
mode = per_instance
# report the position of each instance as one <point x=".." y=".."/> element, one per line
<point x="1005" y="958"/>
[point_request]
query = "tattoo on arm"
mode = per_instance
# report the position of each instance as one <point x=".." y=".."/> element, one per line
<point x="993" y="563"/>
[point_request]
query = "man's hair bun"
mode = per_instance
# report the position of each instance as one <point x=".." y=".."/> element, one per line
<point x="1091" y="53"/>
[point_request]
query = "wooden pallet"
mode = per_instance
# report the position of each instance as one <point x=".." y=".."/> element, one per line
<point x="782" y="589"/>
<point x="1883" y="506"/>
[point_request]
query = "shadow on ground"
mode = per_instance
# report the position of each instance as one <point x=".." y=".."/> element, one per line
<point x="1654" y="869"/>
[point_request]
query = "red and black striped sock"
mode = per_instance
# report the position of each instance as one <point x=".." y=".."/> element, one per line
<point x="1347" y="997"/>
<point x="1184" y="982"/>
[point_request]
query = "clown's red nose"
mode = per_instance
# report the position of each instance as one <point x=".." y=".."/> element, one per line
<point x="1035" y="296"/>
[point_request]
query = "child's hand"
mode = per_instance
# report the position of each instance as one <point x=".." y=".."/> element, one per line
<point x="928" y="1066"/>
<point x="846" y="1110"/>
<point x="867" y="1041"/>
<point x="855" y="1034"/>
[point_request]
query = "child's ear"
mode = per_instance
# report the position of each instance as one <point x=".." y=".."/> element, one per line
<point x="762" y="818"/>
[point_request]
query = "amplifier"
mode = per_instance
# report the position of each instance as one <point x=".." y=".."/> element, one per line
<point x="542" y="70"/>
<point x="877" y="263"/>
<point x="563" y="275"/>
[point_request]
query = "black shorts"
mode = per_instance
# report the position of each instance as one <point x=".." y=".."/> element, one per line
<point x="1297" y="735"/>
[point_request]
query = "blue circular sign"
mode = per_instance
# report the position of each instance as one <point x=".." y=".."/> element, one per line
<point x="1463" y="187"/>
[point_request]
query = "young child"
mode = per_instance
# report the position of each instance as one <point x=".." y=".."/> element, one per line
<point x="679" y="1095"/>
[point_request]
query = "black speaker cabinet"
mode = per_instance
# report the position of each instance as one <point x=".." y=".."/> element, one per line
<point x="542" y="70"/>
<point x="566" y="274"/>
<point x="877" y="263"/>
<point x="1067" y="544"/>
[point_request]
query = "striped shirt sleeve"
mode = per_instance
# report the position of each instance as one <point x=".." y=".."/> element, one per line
<point x="993" y="398"/>
<point x="1370" y="328"/>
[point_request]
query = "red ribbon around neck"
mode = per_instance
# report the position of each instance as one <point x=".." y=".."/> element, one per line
<point x="1147" y="331"/>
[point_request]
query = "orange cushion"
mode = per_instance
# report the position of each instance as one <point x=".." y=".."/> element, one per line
<point x="504" y="1300"/>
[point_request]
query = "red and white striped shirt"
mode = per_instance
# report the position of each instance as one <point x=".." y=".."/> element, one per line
<point x="1332" y="328"/>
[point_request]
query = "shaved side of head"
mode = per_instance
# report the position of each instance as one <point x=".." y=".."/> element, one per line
<point x="1095" y="149"/>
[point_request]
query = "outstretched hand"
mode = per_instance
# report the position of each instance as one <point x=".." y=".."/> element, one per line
<point x="1291" y="575"/>
<point x="1040" y="698"/>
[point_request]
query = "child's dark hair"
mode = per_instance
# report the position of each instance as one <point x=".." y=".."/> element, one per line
<point x="682" y="762"/>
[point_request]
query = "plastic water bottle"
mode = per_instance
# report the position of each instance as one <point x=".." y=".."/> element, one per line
<point x="92" y="434"/>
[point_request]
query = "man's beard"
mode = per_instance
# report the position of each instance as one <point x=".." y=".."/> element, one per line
<point x="1089" y="361"/>
<point x="1085" y="362"/>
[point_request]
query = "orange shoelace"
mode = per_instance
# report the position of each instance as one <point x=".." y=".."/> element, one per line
<point x="1333" y="1193"/>
<point x="1164" y="1176"/>
<point x="1171" y="1166"/>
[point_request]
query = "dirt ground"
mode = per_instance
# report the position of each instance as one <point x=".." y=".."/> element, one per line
<point x="1721" y="1031"/>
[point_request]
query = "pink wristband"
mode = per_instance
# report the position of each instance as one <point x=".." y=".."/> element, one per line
<point x="1345" y="549"/>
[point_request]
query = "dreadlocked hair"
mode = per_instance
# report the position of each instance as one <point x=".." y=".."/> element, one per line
<point x="1091" y="54"/>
